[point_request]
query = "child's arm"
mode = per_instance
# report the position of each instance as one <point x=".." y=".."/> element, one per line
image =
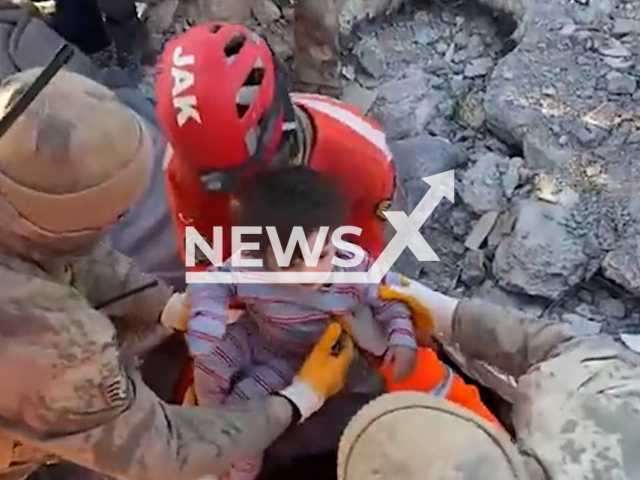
<point x="208" y="315"/>
<point x="395" y="317"/>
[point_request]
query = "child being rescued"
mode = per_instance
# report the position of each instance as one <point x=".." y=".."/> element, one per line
<point x="265" y="349"/>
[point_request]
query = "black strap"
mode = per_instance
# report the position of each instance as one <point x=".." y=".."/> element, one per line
<point x="60" y="59"/>
<point x="127" y="294"/>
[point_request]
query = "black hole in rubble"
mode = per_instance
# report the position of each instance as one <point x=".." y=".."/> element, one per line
<point x="235" y="45"/>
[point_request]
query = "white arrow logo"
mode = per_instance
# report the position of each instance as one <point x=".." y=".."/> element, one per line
<point x="407" y="235"/>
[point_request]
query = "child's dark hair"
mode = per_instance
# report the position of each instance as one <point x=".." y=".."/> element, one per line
<point x="288" y="197"/>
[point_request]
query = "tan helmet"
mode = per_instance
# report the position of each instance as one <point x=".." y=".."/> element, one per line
<point x="70" y="166"/>
<point x="414" y="436"/>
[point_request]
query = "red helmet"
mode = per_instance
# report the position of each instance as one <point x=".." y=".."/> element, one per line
<point x="218" y="90"/>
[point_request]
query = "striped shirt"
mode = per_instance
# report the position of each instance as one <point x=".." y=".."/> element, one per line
<point x="291" y="318"/>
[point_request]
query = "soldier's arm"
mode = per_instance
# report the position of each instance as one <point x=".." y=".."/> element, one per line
<point x="84" y="406"/>
<point x="106" y="274"/>
<point x="505" y="338"/>
<point x="577" y="390"/>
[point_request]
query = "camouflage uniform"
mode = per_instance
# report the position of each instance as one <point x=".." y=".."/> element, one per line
<point x="69" y="391"/>
<point x="317" y="66"/>
<point x="70" y="166"/>
<point x="576" y="412"/>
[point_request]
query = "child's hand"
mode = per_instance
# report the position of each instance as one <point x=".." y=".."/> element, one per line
<point x="402" y="359"/>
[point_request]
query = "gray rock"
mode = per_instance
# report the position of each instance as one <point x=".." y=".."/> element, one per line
<point x="360" y="97"/>
<point x="482" y="184"/>
<point x="540" y="257"/>
<point x="478" y="67"/>
<point x="473" y="268"/>
<point x="625" y="26"/>
<point x="622" y="265"/>
<point x="461" y="38"/>
<point x="404" y="107"/>
<point x="585" y="296"/>
<point x="613" y="48"/>
<point x="475" y="46"/>
<point x="424" y="156"/>
<point x="580" y="325"/>
<point x="511" y="178"/>
<point x="612" y="308"/>
<point x="621" y="83"/>
<point x="618" y="63"/>
<point x="371" y="57"/>
<point x="481" y="230"/>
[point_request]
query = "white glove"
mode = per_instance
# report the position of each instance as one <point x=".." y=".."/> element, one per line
<point x="176" y="312"/>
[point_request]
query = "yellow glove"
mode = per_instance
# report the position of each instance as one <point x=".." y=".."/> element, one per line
<point x="176" y="312"/>
<point x="420" y="315"/>
<point x="323" y="373"/>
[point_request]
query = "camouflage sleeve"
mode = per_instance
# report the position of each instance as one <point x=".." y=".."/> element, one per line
<point x="107" y="274"/>
<point x="575" y="412"/>
<point x="505" y="338"/>
<point x="84" y="405"/>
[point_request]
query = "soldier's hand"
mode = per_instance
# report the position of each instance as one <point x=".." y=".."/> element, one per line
<point x="323" y="373"/>
<point x="431" y="311"/>
<point x="176" y="312"/>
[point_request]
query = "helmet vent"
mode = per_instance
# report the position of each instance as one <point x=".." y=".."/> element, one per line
<point x="235" y="44"/>
<point x="249" y="89"/>
<point x="216" y="28"/>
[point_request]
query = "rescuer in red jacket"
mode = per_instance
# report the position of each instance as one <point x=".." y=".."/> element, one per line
<point x="223" y="103"/>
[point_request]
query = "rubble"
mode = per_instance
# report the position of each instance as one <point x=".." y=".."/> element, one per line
<point x="622" y="265"/>
<point x="474" y="270"/>
<point x="541" y="257"/>
<point x="482" y="188"/>
<point x="581" y="325"/>
<point x="481" y="230"/>
<point x="544" y="139"/>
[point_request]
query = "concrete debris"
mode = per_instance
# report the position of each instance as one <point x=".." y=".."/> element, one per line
<point x="541" y="257"/>
<point x="482" y="184"/>
<point x="581" y="325"/>
<point x="511" y="177"/>
<point x="474" y="270"/>
<point x="613" y="48"/>
<point x="503" y="227"/>
<point x="622" y="265"/>
<point x="612" y="307"/>
<point x="371" y="57"/>
<point x="359" y="97"/>
<point x="481" y="230"/>
<point x="423" y="156"/>
<point x="478" y="67"/>
<point x="404" y="107"/>
<point x="621" y="83"/>
<point x="625" y="26"/>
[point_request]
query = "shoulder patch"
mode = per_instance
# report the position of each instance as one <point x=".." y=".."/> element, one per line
<point x="116" y="388"/>
<point x="383" y="206"/>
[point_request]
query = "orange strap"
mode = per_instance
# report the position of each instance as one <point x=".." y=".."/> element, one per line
<point x="430" y="373"/>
